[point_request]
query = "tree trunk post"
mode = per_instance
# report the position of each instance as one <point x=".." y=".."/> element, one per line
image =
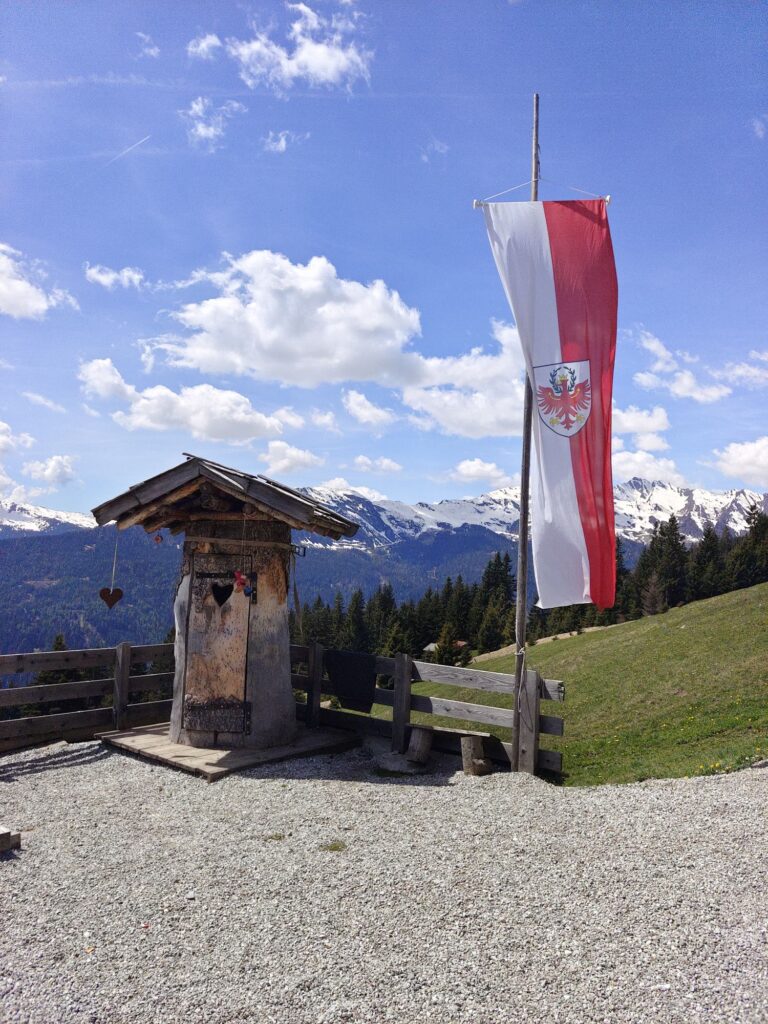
<point x="314" y="685"/>
<point x="401" y="711"/>
<point x="122" y="675"/>
<point x="528" y="717"/>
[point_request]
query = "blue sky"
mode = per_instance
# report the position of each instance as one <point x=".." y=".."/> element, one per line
<point x="246" y="231"/>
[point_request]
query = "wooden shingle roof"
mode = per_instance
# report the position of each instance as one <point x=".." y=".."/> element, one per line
<point x="173" y="495"/>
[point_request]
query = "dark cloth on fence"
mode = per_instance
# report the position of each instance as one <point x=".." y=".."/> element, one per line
<point x="353" y="676"/>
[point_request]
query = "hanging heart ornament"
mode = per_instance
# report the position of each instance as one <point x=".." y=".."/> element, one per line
<point x="110" y="597"/>
<point x="221" y="592"/>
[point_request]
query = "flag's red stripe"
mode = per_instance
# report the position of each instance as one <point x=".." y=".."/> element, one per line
<point x="587" y="296"/>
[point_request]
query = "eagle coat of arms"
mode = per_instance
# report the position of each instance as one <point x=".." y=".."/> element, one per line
<point x="563" y="396"/>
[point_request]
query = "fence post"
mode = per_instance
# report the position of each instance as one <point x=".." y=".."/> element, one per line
<point x="314" y="684"/>
<point x="528" y="717"/>
<point x="122" y="675"/>
<point x="401" y="710"/>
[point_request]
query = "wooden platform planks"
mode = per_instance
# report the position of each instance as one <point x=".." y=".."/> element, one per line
<point x="152" y="743"/>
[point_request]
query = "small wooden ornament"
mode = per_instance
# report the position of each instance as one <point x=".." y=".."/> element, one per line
<point x="110" y="597"/>
<point x="221" y="593"/>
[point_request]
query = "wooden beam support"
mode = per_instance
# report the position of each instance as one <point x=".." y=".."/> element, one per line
<point x="152" y="507"/>
<point x="401" y="709"/>
<point x="122" y="680"/>
<point x="473" y="759"/>
<point x="314" y="681"/>
<point x="528" y="745"/>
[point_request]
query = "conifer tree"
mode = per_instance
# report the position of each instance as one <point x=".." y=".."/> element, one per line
<point x="672" y="563"/>
<point x="337" y="619"/>
<point x="652" y="596"/>
<point x="705" y="566"/>
<point x="446" y="653"/>
<point x="353" y="635"/>
<point x="490" y="636"/>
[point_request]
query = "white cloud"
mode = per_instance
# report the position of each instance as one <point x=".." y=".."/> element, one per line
<point x="434" y="146"/>
<point x="207" y="123"/>
<point x="748" y="461"/>
<point x="339" y="483"/>
<point x="748" y="374"/>
<point x="763" y="356"/>
<point x="380" y="465"/>
<point x="10" y="441"/>
<point x="633" y="420"/>
<point x="650" y="442"/>
<point x="479" y="394"/>
<point x="665" y="362"/>
<point x="317" y="52"/>
<point x="646" y="465"/>
<point x="679" y="383"/>
<point x="128" y="277"/>
<point x="645" y="424"/>
<point x="204" y="47"/>
<point x="89" y="411"/>
<point x="289" y="417"/>
<point x="53" y="472"/>
<point x="647" y="380"/>
<point x="364" y="411"/>
<point x="302" y="325"/>
<point x="299" y="324"/>
<point x="46" y="403"/>
<point x="148" y="46"/>
<point x="283" y="458"/>
<point x="759" y="125"/>
<point x="20" y="296"/>
<point x="683" y="384"/>
<point x="205" y="412"/>
<point x="102" y="379"/>
<point x="325" y="420"/>
<point x="476" y="470"/>
<point x="278" y="142"/>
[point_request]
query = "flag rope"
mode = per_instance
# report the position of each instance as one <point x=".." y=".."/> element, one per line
<point x="560" y="184"/>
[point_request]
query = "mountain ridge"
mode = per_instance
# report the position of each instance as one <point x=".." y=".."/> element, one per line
<point x="639" y="504"/>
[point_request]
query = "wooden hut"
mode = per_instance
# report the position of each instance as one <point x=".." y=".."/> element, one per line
<point x="232" y="684"/>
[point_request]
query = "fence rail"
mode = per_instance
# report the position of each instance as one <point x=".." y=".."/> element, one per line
<point x="122" y="687"/>
<point x="120" y="690"/>
<point x="404" y="671"/>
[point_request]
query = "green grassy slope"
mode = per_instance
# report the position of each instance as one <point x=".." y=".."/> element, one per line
<point x="684" y="693"/>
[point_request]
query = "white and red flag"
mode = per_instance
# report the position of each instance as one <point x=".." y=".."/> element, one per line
<point x="556" y="263"/>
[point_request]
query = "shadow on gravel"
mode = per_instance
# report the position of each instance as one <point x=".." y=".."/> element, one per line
<point x="353" y="766"/>
<point x="71" y="757"/>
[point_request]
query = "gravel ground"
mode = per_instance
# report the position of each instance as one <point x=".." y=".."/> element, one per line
<point x="143" y="894"/>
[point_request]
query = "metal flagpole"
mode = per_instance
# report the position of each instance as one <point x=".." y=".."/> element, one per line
<point x="521" y="611"/>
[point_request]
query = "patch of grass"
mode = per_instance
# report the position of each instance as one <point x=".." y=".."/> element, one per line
<point x="335" y="846"/>
<point x="673" y="695"/>
<point x="275" y="837"/>
<point x="684" y="693"/>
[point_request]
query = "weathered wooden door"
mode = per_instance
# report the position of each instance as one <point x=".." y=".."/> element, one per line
<point x="217" y="644"/>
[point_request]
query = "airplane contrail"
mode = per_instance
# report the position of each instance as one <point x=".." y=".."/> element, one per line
<point x="139" y="143"/>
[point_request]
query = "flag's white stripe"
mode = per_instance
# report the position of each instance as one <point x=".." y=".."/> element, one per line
<point x="520" y="244"/>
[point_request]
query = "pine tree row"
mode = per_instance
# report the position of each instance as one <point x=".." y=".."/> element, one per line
<point x="461" y="619"/>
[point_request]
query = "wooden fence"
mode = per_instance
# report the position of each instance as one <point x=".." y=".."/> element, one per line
<point x="404" y="671"/>
<point x="120" y="686"/>
<point x="117" y="691"/>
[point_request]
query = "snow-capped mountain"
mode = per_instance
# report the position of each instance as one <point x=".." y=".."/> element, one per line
<point x="19" y="518"/>
<point x="640" y="504"/>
